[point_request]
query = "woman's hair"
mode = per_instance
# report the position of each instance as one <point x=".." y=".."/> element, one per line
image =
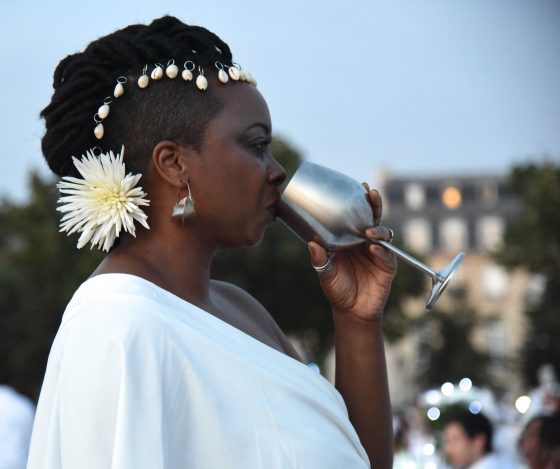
<point x="166" y="109"/>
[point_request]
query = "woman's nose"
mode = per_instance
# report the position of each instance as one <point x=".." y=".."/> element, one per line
<point x="276" y="173"/>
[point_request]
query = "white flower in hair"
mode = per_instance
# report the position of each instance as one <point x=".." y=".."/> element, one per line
<point x="103" y="202"/>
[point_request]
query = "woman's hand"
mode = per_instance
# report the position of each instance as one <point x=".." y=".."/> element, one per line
<point x="360" y="279"/>
<point x="357" y="287"/>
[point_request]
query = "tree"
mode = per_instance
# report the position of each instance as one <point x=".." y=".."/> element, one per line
<point x="532" y="241"/>
<point x="446" y="352"/>
<point x="39" y="271"/>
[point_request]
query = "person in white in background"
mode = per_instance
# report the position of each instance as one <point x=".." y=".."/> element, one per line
<point x="16" y="422"/>
<point x="468" y="443"/>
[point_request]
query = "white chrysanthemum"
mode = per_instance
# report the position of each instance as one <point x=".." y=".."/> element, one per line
<point x="103" y="202"/>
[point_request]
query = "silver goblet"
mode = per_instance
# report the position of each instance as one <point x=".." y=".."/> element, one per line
<point x="332" y="209"/>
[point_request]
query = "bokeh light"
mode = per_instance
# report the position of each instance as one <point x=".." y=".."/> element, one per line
<point x="447" y="389"/>
<point x="465" y="384"/>
<point x="433" y="413"/>
<point x="475" y="407"/>
<point x="522" y="404"/>
<point x="428" y="449"/>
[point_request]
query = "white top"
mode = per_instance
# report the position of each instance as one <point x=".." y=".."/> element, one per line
<point x="16" y="421"/>
<point x="493" y="461"/>
<point x="138" y="377"/>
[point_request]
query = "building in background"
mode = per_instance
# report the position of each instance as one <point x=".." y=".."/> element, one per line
<point x="436" y="217"/>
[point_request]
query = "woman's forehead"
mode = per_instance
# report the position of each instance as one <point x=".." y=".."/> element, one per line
<point x="244" y="107"/>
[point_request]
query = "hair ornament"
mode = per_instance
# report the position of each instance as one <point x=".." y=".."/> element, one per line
<point x="97" y="151"/>
<point x="201" y="81"/>
<point x="103" y="111"/>
<point x="119" y="88"/>
<point x="250" y="79"/>
<point x="234" y="72"/>
<point x="157" y="72"/>
<point x="189" y="66"/>
<point x="171" y="70"/>
<point x="144" y="79"/>
<point x="99" y="130"/>
<point x="222" y="75"/>
<point x="103" y="202"/>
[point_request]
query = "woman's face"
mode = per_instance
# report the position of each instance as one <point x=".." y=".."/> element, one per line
<point x="235" y="179"/>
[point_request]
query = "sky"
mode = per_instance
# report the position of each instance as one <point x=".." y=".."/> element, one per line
<point x="431" y="87"/>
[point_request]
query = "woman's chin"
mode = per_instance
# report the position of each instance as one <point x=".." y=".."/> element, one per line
<point x="255" y="238"/>
<point x="249" y="240"/>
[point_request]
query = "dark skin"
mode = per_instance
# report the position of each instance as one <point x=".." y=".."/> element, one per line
<point x="234" y="180"/>
<point x="530" y="445"/>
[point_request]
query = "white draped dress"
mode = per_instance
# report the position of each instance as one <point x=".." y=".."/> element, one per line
<point x="139" y="378"/>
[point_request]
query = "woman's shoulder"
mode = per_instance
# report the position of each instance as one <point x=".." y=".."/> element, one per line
<point x="118" y="305"/>
<point x="238" y="296"/>
<point x="258" y="320"/>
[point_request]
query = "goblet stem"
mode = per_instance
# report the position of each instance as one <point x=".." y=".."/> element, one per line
<point x="440" y="279"/>
<point x="408" y="258"/>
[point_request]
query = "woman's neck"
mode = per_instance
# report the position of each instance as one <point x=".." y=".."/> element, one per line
<point x="180" y="265"/>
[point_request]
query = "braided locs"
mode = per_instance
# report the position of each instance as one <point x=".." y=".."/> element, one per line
<point x="169" y="109"/>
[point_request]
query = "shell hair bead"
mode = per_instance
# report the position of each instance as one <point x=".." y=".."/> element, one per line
<point x="171" y="70"/>
<point x="201" y="81"/>
<point x="226" y="73"/>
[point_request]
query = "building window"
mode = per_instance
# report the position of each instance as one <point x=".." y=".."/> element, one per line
<point x="452" y="197"/>
<point x="417" y="234"/>
<point x="494" y="281"/>
<point x="453" y="234"/>
<point x="490" y="232"/>
<point x="415" y="196"/>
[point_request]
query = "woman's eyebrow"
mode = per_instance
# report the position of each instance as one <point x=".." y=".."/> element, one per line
<point x="259" y="125"/>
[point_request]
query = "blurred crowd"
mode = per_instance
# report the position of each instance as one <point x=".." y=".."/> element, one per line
<point x="462" y="427"/>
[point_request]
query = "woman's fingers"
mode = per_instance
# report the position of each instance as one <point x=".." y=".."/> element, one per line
<point x="321" y="260"/>
<point x="375" y="201"/>
<point x="380" y="232"/>
<point x="388" y="261"/>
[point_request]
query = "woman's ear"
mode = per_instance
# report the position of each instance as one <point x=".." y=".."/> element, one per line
<point x="172" y="163"/>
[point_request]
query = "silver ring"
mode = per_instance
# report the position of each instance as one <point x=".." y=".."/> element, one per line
<point x="391" y="234"/>
<point x="325" y="267"/>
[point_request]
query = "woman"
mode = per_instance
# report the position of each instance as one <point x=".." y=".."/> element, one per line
<point x="156" y="365"/>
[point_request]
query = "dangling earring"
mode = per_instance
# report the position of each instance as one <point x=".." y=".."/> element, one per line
<point x="183" y="208"/>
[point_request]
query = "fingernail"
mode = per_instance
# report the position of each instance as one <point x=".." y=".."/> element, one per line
<point x="371" y="232"/>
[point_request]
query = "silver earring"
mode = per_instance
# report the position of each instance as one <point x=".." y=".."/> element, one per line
<point x="183" y="208"/>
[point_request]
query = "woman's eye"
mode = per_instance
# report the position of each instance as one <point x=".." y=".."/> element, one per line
<point x="260" y="147"/>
